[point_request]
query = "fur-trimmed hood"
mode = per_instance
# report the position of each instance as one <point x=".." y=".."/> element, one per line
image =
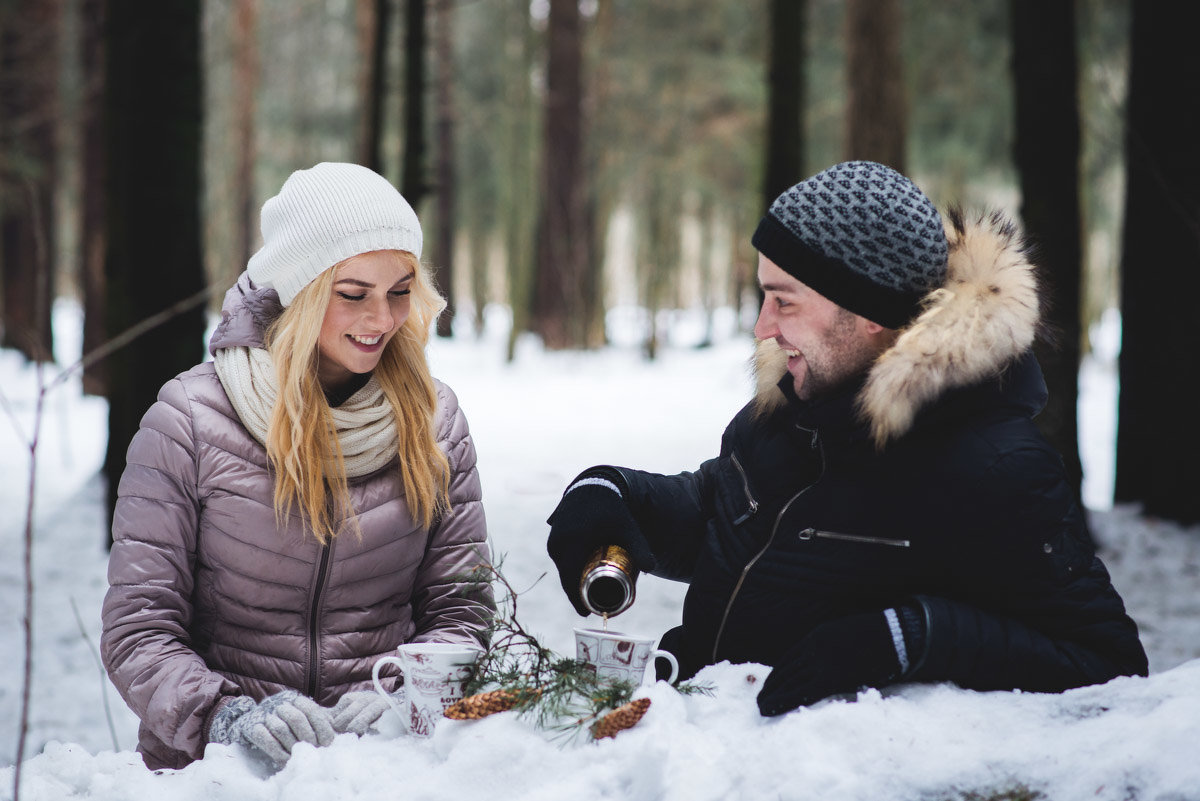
<point x="984" y="317"/>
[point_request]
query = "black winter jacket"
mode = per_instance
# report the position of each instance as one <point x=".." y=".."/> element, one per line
<point x="927" y="484"/>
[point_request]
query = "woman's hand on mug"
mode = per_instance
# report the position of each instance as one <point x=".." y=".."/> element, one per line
<point x="359" y="710"/>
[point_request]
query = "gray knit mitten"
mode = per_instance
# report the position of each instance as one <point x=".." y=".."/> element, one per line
<point x="359" y="710"/>
<point x="273" y="725"/>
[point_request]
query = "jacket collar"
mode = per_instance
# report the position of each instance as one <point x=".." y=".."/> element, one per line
<point x="981" y="322"/>
<point x="245" y="315"/>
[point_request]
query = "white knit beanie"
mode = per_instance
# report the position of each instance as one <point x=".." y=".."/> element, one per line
<point x="323" y="216"/>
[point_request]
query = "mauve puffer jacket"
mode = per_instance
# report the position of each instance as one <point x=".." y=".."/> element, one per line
<point x="209" y="598"/>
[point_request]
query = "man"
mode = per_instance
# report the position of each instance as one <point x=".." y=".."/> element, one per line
<point x="885" y="510"/>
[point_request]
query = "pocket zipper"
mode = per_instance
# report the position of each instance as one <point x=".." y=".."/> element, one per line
<point x="810" y="533"/>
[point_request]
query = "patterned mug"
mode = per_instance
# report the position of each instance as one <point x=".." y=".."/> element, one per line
<point x="614" y="654"/>
<point x="434" y="676"/>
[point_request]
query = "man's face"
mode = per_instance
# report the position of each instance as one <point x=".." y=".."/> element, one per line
<point x="826" y="345"/>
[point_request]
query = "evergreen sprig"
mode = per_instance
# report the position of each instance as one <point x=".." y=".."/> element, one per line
<point x="559" y="693"/>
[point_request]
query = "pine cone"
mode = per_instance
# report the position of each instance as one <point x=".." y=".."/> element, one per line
<point x="481" y="705"/>
<point x="621" y="718"/>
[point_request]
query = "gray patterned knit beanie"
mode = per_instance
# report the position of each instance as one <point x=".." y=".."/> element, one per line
<point x="325" y="215"/>
<point x="863" y="236"/>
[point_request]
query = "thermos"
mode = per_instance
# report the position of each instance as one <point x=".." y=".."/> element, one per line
<point x="608" y="581"/>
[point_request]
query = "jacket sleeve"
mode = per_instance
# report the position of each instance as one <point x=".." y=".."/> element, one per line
<point x="672" y="513"/>
<point x="453" y="599"/>
<point x="980" y="650"/>
<point x="146" y="642"/>
<point x="1032" y="606"/>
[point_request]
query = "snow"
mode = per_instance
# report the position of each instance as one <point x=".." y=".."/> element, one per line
<point x="536" y="423"/>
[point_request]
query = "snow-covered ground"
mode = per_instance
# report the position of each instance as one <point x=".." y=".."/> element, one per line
<point x="537" y="422"/>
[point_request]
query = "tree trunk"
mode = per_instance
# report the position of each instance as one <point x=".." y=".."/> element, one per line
<point x="29" y="36"/>
<point x="1157" y="439"/>
<point x="520" y="196"/>
<point x="658" y="244"/>
<point x="480" y="244"/>
<point x="372" y="18"/>
<point x="93" y="191"/>
<point x="602" y="197"/>
<point x="444" y="248"/>
<point x="876" y="120"/>
<point x="153" y="118"/>
<point x="710" y="290"/>
<point x="785" y="98"/>
<point x="245" y="30"/>
<point x="413" y="185"/>
<point x="1047" y="160"/>
<point x="563" y="268"/>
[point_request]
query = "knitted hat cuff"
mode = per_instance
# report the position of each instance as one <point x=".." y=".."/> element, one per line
<point x="831" y="278"/>
<point x="325" y="215"/>
<point x="290" y="281"/>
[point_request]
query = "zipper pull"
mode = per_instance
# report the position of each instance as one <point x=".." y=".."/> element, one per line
<point x="746" y="489"/>
<point x="748" y="514"/>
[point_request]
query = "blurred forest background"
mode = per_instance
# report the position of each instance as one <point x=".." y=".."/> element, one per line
<point x="569" y="157"/>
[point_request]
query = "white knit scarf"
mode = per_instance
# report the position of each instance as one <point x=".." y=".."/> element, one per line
<point x="365" y="423"/>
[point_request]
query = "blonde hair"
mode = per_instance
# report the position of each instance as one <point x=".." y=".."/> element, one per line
<point x="302" y="445"/>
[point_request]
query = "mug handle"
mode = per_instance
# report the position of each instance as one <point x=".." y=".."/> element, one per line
<point x="379" y="663"/>
<point x="670" y="657"/>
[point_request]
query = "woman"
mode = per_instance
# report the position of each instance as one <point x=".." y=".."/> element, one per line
<point x="304" y="503"/>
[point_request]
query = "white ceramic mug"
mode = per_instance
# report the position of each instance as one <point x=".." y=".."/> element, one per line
<point x="617" y="655"/>
<point x="434" y="676"/>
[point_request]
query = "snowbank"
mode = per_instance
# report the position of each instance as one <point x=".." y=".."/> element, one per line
<point x="1132" y="738"/>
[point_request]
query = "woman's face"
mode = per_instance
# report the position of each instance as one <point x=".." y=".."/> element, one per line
<point x="370" y="302"/>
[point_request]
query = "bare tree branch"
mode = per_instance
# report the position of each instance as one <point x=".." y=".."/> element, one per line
<point x="133" y="332"/>
<point x="12" y="414"/>
<point x="27" y="560"/>
<point x="112" y="729"/>
<point x="31" y="443"/>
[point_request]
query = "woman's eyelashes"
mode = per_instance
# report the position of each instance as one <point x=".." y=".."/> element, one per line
<point x="395" y="293"/>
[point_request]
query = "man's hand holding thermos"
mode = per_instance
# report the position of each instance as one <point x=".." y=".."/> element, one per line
<point x="591" y="517"/>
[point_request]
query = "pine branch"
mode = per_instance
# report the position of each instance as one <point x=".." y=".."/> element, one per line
<point x="517" y="672"/>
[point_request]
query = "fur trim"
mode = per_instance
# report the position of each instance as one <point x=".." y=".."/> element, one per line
<point x="982" y="319"/>
<point x="770" y="363"/>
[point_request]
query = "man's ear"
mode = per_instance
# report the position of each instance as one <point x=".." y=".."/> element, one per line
<point x="873" y="328"/>
<point x="882" y="336"/>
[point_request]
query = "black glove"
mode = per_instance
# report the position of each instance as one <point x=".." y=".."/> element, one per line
<point x="590" y="517"/>
<point x="842" y="656"/>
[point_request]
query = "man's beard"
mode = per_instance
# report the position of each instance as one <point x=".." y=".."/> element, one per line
<point x="845" y="358"/>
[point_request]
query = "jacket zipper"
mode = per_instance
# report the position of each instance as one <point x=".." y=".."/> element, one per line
<point x="314" y="628"/>
<point x="810" y="533"/>
<point x="746" y="489"/>
<point x="737" y="588"/>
